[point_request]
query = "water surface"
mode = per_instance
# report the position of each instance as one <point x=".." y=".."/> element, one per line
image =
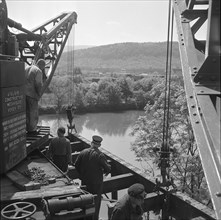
<point x="115" y="129"/>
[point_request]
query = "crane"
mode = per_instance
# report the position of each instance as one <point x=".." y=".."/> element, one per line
<point x="46" y="41"/>
<point x="200" y="61"/>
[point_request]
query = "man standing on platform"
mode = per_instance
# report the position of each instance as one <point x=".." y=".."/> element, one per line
<point x="91" y="164"/>
<point x="60" y="150"/>
<point x="34" y="84"/>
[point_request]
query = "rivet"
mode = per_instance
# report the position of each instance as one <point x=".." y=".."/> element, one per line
<point x="191" y="96"/>
<point x="201" y="91"/>
<point x="218" y="194"/>
<point x="194" y="114"/>
<point x="197" y="122"/>
<point x="192" y="106"/>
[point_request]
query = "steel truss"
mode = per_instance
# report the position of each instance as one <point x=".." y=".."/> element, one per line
<point x="46" y="41"/>
<point x="201" y="71"/>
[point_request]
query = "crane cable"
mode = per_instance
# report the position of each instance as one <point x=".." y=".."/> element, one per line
<point x="165" y="150"/>
<point x="70" y="108"/>
<point x="70" y="67"/>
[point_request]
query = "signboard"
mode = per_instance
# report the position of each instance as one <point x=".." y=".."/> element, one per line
<point x="13" y="132"/>
<point x="12" y="100"/>
<point x="12" y="114"/>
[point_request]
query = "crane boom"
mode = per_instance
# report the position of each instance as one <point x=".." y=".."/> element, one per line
<point x="49" y="41"/>
<point x="200" y="61"/>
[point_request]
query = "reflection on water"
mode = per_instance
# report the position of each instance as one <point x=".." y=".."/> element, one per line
<point x="115" y="129"/>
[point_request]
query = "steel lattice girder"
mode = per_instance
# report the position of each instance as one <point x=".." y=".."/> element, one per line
<point x="202" y="85"/>
<point x="49" y="41"/>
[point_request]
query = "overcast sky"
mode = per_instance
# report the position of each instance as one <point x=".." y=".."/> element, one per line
<point x="99" y="22"/>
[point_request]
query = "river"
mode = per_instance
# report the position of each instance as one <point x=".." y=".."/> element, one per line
<point x="115" y="129"/>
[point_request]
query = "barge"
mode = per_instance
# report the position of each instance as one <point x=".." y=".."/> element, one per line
<point x="64" y="198"/>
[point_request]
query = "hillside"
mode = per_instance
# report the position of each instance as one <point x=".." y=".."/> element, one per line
<point x="127" y="57"/>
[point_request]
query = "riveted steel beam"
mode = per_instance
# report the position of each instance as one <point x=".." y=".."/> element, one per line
<point x="202" y="86"/>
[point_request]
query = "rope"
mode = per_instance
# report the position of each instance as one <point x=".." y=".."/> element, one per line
<point x="72" y="60"/>
<point x="165" y="149"/>
<point x="166" y="79"/>
<point x="169" y="85"/>
<point x="70" y="63"/>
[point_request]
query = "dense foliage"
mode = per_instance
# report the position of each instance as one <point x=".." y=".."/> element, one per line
<point x="108" y="93"/>
<point x="185" y="165"/>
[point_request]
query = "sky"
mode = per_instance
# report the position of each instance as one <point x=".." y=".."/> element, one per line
<point x="99" y="22"/>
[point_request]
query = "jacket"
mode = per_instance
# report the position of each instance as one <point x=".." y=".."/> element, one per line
<point x="60" y="146"/>
<point x="91" y="164"/>
<point x="34" y="82"/>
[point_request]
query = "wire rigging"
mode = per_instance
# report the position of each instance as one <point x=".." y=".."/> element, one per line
<point x="70" y="72"/>
<point x="70" y="64"/>
<point x="165" y="149"/>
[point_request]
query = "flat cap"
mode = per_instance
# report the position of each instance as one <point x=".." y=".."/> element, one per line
<point x="136" y="189"/>
<point x="97" y="139"/>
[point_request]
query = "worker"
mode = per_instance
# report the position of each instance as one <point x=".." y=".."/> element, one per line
<point x="34" y="84"/>
<point x="60" y="150"/>
<point x="129" y="207"/>
<point x="91" y="165"/>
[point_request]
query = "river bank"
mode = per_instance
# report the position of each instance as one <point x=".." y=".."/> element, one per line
<point x="53" y="109"/>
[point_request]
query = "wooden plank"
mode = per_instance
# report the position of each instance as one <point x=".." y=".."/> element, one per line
<point x="19" y="180"/>
<point x="41" y="193"/>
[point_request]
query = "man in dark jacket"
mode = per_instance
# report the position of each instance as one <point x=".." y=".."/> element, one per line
<point x="129" y="207"/>
<point x="60" y="150"/>
<point x="91" y="164"/>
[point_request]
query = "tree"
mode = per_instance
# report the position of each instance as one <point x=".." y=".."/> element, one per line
<point x="59" y="86"/>
<point x="79" y="101"/>
<point x="91" y="95"/>
<point x="125" y="85"/>
<point x="185" y="162"/>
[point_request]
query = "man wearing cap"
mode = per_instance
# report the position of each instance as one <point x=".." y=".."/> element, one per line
<point x="91" y="164"/>
<point x="129" y="207"/>
<point x="60" y="150"/>
<point x="34" y="84"/>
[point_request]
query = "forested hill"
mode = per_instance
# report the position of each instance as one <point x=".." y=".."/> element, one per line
<point x="128" y="57"/>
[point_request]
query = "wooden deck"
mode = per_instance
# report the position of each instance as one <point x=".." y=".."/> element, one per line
<point x="17" y="186"/>
<point x="38" y="140"/>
